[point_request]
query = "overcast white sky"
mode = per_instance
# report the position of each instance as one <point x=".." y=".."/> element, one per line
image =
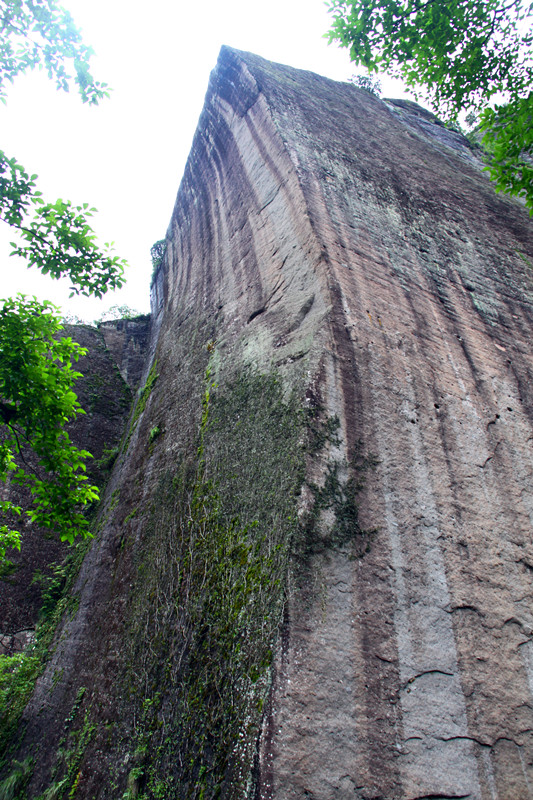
<point x="126" y="156"/>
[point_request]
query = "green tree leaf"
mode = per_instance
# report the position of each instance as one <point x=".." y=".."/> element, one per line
<point x="39" y="33"/>
<point x="37" y="401"/>
<point x="55" y="237"/>
<point x="36" y="362"/>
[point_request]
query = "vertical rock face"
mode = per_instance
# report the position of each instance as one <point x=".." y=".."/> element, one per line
<point x="127" y="340"/>
<point x="408" y="671"/>
<point x="341" y="288"/>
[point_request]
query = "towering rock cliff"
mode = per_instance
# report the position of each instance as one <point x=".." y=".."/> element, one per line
<point x="312" y="575"/>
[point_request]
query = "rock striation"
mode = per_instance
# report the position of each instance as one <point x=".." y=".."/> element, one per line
<point x="313" y="575"/>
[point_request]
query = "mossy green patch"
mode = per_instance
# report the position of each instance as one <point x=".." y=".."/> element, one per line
<point x="66" y="773"/>
<point x="144" y="395"/>
<point x="18" y="673"/>
<point x="339" y="493"/>
<point x="213" y="578"/>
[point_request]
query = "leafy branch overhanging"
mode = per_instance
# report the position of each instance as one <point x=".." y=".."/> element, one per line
<point x="36" y="358"/>
<point x="467" y="55"/>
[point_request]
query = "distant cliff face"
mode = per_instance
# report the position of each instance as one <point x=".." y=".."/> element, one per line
<point x="313" y="569"/>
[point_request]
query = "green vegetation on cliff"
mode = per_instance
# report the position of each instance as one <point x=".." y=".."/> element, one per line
<point x="19" y="672"/>
<point x="213" y="583"/>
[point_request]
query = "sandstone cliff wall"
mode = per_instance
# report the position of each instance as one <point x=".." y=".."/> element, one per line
<point x="313" y="570"/>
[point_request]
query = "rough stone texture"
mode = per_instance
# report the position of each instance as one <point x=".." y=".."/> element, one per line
<point x="408" y="675"/>
<point x="363" y="255"/>
<point x="127" y="340"/>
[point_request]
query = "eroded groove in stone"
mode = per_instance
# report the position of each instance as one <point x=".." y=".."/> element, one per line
<point x="351" y="252"/>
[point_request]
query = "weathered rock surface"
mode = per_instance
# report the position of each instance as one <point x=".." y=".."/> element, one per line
<point x="127" y="341"/>
<point x="322" y="235"/>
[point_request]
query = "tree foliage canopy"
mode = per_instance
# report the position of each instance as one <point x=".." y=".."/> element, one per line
<point x="36" y="361"/>
<point x="36" y="378"/>
<point x="39" y="33"/>
<point x="55" y="237"/>
<point x="467" y="54"/>
<point x="157" y="253"/>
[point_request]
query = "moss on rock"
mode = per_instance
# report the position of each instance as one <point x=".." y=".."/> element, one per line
<point x="204" y="626"/>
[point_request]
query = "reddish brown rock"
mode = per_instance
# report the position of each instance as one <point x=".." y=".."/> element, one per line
<point x="354" y="247"/>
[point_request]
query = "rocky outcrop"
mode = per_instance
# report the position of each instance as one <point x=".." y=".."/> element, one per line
<point x="127" y="340"/>
<point x="313" y="570"/>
